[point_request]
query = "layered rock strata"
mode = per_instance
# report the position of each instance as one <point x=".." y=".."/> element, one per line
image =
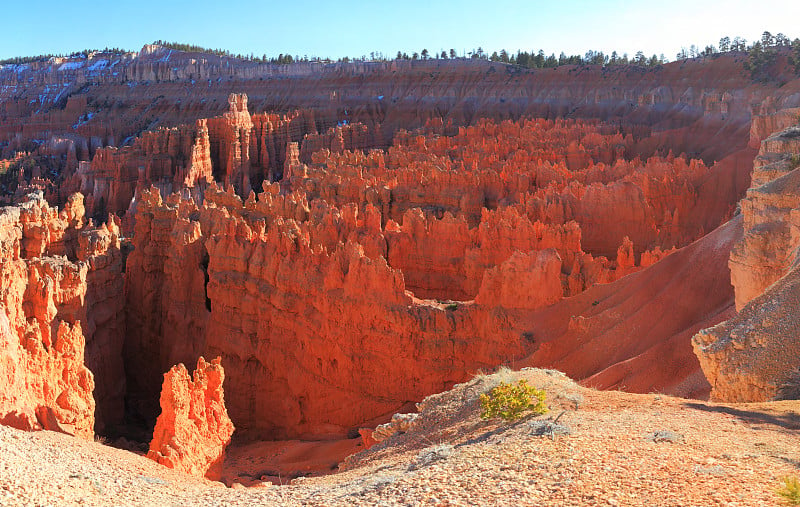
<point x="700" y="106"/>
<point x="171" y="159"/>
<point x="700" y="101"/>
<point x="236" y="149"/>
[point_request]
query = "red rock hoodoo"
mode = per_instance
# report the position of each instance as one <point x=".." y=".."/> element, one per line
<point x="193" y="429"/>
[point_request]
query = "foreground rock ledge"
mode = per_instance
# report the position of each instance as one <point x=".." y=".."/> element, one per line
<point x="193" y="429"/>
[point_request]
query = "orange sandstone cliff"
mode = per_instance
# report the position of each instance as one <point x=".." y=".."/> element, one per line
<point x="73" y="109"/>
<point x="60" y="325"/>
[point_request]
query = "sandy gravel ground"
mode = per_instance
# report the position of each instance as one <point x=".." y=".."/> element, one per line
<point x="606" y="448"/>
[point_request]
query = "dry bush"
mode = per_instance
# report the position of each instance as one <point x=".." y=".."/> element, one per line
<point x="790" y="491"/>
<point x="510" y="401"/>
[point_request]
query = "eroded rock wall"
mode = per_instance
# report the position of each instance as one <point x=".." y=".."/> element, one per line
<point x="61" y="327"/>
<point x="316" y="340"/>
<point x="700" y="106"/>
<point x="768" y="249"/>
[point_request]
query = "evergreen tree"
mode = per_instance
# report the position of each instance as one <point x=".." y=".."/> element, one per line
<point x="795" y="57"/>
<point x="539" y="59"/>
<point x="760" y="59"/>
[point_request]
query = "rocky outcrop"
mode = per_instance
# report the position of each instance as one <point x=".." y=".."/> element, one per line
<point x="46" y="387"/>
<point x="165" y="295"/>
<point x="230" y="144"/>
<point x="272" y="134"/>
<point x="767" y="250"/>
<point x="61" y="315"/>
<point x="235" y="149"/>
<point x="400" y="423"/>
<point x="342" y="137"/>
<point x="454" y="269"/>
<point x="526" y="165"/>
<point x="754" y="355"/>
<point x="770" y="118"/>
<point x="193" y="429"/>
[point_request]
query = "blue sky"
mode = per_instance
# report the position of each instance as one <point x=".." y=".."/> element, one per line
<point x="356" y="28"/>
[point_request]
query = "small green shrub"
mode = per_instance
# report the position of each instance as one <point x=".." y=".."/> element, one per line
<point x="510" y="401"/>
<point x="790" y="491"/>
<point x="794" y="160"/>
